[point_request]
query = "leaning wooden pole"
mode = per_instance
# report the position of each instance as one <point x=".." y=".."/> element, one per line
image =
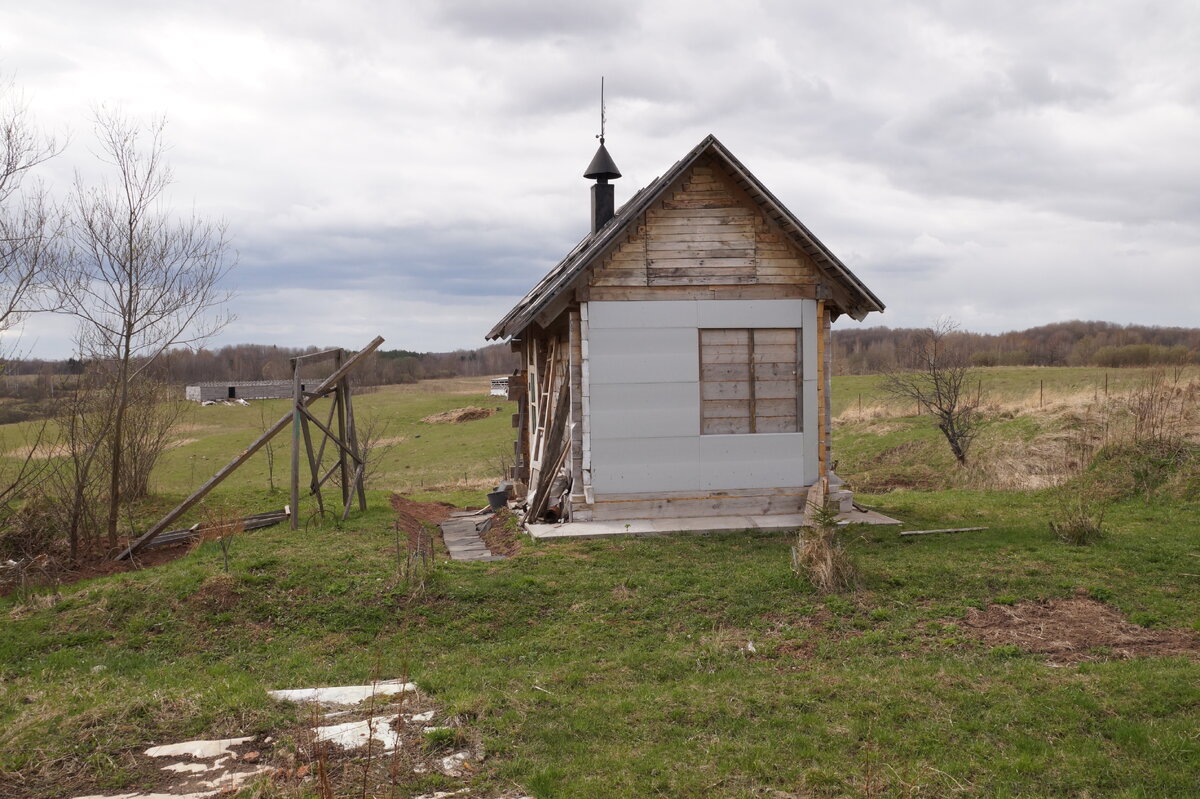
<point x="232" y="466"/>
<point x="343" y="464"/>
<point x="355" y="452"/>
<point x="297" y="420"/>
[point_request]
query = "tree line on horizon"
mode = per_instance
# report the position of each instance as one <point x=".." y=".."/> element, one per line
<point x="245" y="362"/>
<point x="882" y="350"/>
<point x="870" y="350"/>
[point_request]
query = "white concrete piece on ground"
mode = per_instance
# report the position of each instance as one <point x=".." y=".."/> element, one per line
<point x="354" y="734"/>
<point x="223" y="783"/>
<point x="203" y="795"/>
<point x="186" y="768"/>
<point x="699" y="524"/>
<point x="198" y="749"/>
<point x="343" y="694"/>
<point x="456" y="765"/>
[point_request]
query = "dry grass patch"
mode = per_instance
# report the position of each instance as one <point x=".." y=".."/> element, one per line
<point x="1074" y="630"/>
<point x="459" y="415"/>
<point x="40" y="452"/>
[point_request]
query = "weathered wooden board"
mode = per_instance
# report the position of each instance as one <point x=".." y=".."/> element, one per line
<point x="721" y="292"/>
<point x="747" y="502"/>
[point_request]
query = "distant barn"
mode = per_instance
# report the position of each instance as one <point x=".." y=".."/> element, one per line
<point x="244" y="389"/>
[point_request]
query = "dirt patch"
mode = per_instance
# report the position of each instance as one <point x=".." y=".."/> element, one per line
<point x="410" y="514"/>
<point x="51" y="571"/>
<point x="217" y="593"/>
<point x="1075" y="630"/>
<point x="503" y="537"/>
<point x="459" y="415"/>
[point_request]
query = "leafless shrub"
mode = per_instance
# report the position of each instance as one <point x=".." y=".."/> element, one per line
<point x="154" y="413"/>
<point x="941" y="383"/>
<point x="373" y="444"/>
<point x="220" y="524"/>
<point x="415" y="562"/>
<point x="268" y="447"/>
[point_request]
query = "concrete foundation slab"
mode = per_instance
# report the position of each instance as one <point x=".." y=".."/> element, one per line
<point x="709" y="524"/>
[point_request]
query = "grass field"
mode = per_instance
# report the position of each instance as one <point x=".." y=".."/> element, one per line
<point x="622" y="668"/>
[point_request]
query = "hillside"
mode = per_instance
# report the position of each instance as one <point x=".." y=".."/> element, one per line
<point x="678" y="666"/>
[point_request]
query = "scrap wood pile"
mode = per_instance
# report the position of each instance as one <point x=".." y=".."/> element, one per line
<point x="548" y="442"/>
<point x="204" y="530"/>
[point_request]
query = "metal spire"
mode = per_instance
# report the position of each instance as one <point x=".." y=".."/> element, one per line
<point x="602" y="167"/>
<point x="601" y="136"/>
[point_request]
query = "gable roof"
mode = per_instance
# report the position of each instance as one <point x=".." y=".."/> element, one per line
<point x="593" y="245"/>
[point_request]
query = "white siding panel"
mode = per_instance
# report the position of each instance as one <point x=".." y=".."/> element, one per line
<point x="644" y="410"/>
<point x="642" y="385"/>
<point x="760" y="460"/>
<point x="808" y="340"/>
<point x="750" y="313"/>
<point x="632" y="465"/>
<point x="658" y="355"/>
<point x="674" y="313"/>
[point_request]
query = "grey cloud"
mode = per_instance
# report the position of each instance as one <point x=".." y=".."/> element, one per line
<point x="525" y="20"/>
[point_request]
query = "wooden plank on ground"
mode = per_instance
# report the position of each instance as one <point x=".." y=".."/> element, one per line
<point x="946" y="530"/>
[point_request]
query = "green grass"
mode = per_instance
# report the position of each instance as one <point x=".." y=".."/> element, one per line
<point x="619" y="668"/>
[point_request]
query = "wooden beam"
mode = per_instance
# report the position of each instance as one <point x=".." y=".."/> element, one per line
<point x="229" y="468"/>
<point x="298" y="401"/>
<point x="821" y="431"/>
<point x="946" y="530"/>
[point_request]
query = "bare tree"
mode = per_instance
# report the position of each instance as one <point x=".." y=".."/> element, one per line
<point x="29" y="224"/>
<point x="943" y="384"/>
<point x="140" y="280"/>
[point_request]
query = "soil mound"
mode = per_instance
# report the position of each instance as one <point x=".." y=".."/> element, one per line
<point x="459" y="415"/>
<point x="410" y="514"/>
<point x="1074" y="630"/>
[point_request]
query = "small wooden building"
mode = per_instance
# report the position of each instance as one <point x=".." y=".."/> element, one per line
<point x="676" y="362"/>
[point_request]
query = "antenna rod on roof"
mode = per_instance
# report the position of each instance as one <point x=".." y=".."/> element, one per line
<point x="601" y="136"/>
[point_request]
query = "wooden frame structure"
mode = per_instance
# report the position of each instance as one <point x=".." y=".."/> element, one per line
<point x="348" y="462"/>
<point x="329" y="384"/>
<point x="613" y="385"/>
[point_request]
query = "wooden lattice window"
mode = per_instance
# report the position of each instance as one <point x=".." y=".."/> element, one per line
<point x="750" y="380"/>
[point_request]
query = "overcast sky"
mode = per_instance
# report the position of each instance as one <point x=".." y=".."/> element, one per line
<point x="410" y="169"/>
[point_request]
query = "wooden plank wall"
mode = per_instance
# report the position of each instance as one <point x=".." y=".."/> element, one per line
<point x="749" y="380"/>
<point x="690" y="504"/>
<point x="706" y="232"/>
